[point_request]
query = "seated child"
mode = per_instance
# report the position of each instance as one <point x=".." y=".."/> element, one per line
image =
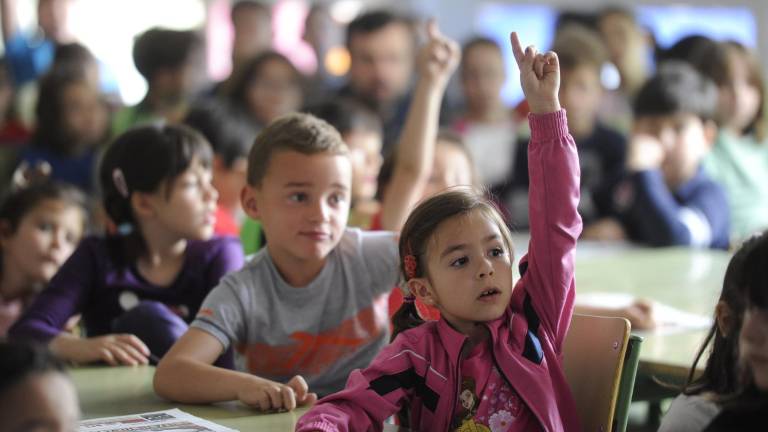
<point x="491" y="340"/>
<point x="667" y="199"/>
<point x="138" y="289"/>
<point x="705" y="393"/>
<point x="40" y="226"/>
<point x="310" y="306"/>
<point x="36" y="393"/>
<point x="230" y="141"/>
<point x="745" y="411"/>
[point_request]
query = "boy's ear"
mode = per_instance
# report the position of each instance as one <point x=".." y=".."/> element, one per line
<point x="249" y="201"/>
<point x="724" y="318"/>
<point x="710" y="133"/>
<point x="421" y="288"/>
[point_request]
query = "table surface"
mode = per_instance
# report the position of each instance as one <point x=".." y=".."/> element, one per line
<point x="689" y="280"/>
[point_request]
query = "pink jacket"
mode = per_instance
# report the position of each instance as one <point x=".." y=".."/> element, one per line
<point x="421" y="366"/>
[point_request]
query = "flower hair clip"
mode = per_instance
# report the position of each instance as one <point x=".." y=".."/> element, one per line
<point x="120" y="184"/>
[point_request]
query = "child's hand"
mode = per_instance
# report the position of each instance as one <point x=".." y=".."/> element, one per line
<point x="539" y="77"/>
<point x="266" y="395"/>
<point x="439" y="57"/>
<point x="645" y="153"/>
<point x="639" y="314"/>
<point x="114" y="349"/>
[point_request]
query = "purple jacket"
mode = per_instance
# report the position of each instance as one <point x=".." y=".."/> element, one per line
<point x="421" y="367"/>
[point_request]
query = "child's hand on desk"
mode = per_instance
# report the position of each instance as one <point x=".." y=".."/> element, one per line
<point x="439" y="57"/>
<point x="114" y="349"/>
<point x="639" y="314"/>
<point x="539" y="77"/>
<point x="266" y="395"/>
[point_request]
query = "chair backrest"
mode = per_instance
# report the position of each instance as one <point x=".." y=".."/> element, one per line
<point x="627" y="385"/>
<point x="593" y="358"/>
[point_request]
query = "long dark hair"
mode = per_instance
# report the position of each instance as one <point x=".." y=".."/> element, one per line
<point x="421" y="225"/>
<point x="143" y="160"/>
<point x="251" y="72"/>
<point x="720" y="374"/>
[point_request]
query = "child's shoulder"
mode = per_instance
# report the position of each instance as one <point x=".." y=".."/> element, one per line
<point x="214" y="246"/>
<point x="356" y="240"/>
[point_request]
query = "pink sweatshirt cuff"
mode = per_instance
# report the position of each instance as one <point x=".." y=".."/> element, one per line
<point x="549" y="126"/>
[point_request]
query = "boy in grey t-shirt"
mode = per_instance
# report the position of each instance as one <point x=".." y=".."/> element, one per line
<point x="311" y="306"/>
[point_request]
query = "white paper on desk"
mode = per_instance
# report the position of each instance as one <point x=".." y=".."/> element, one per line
<point x="668" y="319"/>
<point x="174" y="420"/>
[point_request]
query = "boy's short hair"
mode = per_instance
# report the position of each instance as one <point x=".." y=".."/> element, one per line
<point x="677" y="88"/>
<point x="578" y="46"/>
<point x="158" y="48"/>
<point x="302" y="133"/>
<point x="230" y="139"/>
<point x="347" y="115"/>
<point x="20" y="359"/>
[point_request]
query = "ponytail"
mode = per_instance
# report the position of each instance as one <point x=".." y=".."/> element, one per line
<point x="407" y="317"/>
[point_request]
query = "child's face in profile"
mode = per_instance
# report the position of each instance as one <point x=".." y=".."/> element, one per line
<point x="365" y="154"/>
<point x="451" y="168"/>
<point x="482" y="76"/>
<point x="303" y="205"/>
<point x="188" y="209"/>
<point x="685" y="141"/>
<point x="229" y="181"/>
<point x="41" y="402"/>
<point x="470" y="270"/>
<point x="44" y="239"/>
<point x="753" y="345"/>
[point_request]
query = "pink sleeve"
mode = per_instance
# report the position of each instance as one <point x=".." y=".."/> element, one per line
<point x="553" y="168"/>
<point x="371" y="396"/>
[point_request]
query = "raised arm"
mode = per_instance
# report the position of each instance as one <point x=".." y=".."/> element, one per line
<point x="436" y="61"/>
<point x="553" y="169"/>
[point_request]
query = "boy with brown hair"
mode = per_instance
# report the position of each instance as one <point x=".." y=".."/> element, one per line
<point x="311" y="306"/>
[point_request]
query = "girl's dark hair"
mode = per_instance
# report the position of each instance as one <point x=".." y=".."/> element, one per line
<point x="251" y="72"/>
<point x="420" y="227"/>
<point x="18" y="360"/>
<point x="147" y="158"/>
<point x="748" y="268"/>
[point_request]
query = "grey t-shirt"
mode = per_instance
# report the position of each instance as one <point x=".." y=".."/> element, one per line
<point x="689" y="414"/>
<point x="322" y="331"/>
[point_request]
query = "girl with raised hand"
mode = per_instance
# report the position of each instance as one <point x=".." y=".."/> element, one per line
<point x="456" y="254"/>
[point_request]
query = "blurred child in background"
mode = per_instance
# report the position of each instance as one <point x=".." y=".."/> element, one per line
<point x="40" y="226"/>
<point x="268" y="86"/>
<point x="138" y="289"/>
<point x="230" y="141"/>
<point x="172" y="63"/>
<point x="667" y="198"/>
<point x="36" y="393"/>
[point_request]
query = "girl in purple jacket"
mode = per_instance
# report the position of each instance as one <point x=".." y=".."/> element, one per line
<point x="137" y="290"/>
<point x="493" y="360"/>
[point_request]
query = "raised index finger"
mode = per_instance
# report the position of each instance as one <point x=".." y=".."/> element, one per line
<point x="432" y="31"/>
<point x="517" y="50"/>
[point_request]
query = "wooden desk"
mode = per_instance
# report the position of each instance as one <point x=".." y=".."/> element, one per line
<point x="686" y="279"/>
<point x="113" y="391"/>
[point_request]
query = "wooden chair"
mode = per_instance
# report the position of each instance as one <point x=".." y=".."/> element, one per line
<point x="593" y="360"/>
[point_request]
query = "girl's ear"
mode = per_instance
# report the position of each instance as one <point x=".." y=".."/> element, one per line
<point x="142" y="204"/>
<point x="249" y="201"/>
<point x="421" y="288"/>
<point x="724" y="318"/>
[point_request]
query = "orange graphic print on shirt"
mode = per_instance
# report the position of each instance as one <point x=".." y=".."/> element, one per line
<point x="314" y="353"/>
